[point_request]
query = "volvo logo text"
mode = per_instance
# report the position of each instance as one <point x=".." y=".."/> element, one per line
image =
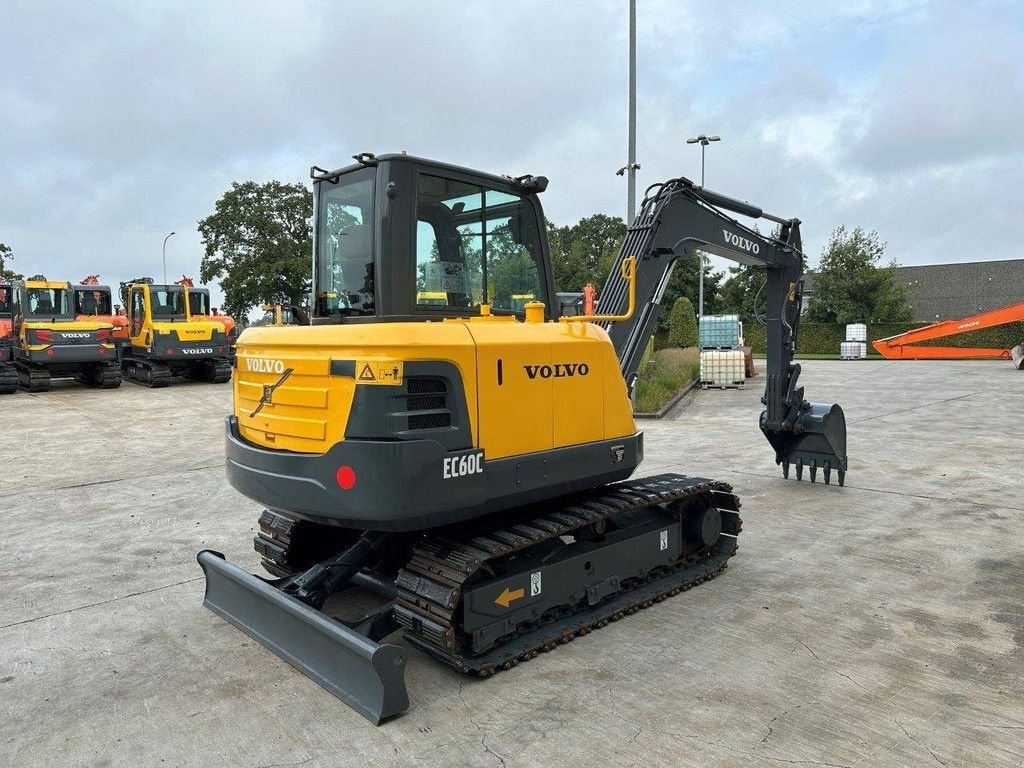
<point x="741" y="242"/>
<point x="76" y="335"/>
<point x="556" y="371"/>
<point x="263" y="365"/>
<point x="203" y="351"/>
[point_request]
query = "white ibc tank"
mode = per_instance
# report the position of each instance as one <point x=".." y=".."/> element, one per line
<point x="856" y="332"/>
<point x="722" y="367"/>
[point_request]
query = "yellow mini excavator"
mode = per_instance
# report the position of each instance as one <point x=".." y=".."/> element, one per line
<point x="466" y="459"/>
<point x="50" y="342"/>
<point x="170" y="333"/>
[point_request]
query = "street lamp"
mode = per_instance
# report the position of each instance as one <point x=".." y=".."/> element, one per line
<point x="703" y="141"/>
<point x="631" y="169"/>
<point x="165" y="256"/>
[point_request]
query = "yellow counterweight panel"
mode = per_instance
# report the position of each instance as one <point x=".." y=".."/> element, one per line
<point x="307" y="411"/>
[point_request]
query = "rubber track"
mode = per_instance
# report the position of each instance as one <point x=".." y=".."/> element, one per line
<point x="9" y="382"/>
<point x="146" y="373"/>
<point x="102" y="376"/>
<point x="216" y="370"/>
<point x="33" y="379"/>
<point x="430" y="585"/>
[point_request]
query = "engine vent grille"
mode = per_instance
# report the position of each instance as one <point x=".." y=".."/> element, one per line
<point x="426" y="403"/>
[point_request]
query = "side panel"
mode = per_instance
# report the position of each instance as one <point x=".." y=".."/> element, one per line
<point x="515" y="388"/>
<point x="579" y="406"/>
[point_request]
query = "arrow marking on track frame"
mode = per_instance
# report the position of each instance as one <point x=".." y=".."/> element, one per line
<point x="508" y="595"/>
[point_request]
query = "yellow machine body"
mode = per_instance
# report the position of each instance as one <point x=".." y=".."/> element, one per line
<point x="143" y="329"/>
<point x="559" y="384"/>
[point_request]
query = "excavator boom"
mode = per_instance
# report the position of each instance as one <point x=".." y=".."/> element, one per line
<point x="678" y="218"/>
<point x="899" y="347"/>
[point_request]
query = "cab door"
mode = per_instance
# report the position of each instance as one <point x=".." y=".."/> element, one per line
<point x="137" y="314"/>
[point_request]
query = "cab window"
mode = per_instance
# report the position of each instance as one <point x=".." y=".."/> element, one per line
<point x="92" y="303"/>
<point x="47" y="302"/>
<point x="475" y="246"/>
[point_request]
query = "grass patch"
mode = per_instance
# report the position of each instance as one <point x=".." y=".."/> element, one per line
<point x="668" y="371"/>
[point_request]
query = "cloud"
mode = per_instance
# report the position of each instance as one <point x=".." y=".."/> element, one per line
<point x="124" y="121"/>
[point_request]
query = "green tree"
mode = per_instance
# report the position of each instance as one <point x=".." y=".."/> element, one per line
<point x="6" y="255"/>
<point x="584" y="252"/>
<point x="739" y="291"/>
<point x="850" y="287"/>
<point x="682" y="324"/>
<point x="685" y="283"/>
<point x="258" y="239"/>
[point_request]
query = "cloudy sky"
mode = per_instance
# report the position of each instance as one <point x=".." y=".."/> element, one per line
<point x="122" y="121"/>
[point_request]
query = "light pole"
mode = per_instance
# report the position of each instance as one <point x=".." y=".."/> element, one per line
<point x="165" y="256"/>
<point x="703" y="141"/>
<point x="631" y="165"/>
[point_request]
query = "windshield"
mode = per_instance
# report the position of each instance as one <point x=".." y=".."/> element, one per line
<point x="345" y="265"/>
<point x="5" y="301"/>
<point x="47" y="302"/>
<point x="198" y="301"/>
<point x="475" y="246"/>
<point x="167" y="301"/>
<point x="92" y="302"/>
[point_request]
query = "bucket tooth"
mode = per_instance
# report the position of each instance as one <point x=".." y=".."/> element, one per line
<point x="366" y="675"/>
<point x="827" y="472"/>
<point x="785" y="470"/>
<point x="799" y="468"/>
<point x="842" y="478"/>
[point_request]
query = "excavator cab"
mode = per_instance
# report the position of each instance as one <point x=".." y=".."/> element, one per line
<point x="93" y="301"/>
<point x="453" y="240"/>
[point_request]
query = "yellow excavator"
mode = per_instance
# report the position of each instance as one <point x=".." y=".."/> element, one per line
<point x="171" y="333"/>
<point x="50" y="342"/>
<point x="445" y="440"/>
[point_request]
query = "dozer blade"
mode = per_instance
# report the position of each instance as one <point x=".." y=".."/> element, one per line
<point x="817" y="441"/>
<point x="1017" y="353"/>
<point x="368" y="676"/>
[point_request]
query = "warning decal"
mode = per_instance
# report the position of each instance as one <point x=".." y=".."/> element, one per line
<point x="387" y="372"/>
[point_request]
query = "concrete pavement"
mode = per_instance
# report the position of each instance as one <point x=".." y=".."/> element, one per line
<point x="877" y="624"/>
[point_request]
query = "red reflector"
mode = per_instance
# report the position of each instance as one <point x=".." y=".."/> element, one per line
<point x="220" y="349"/>
<point x="102" y="336"/>
<point x="346" y="477"/>
<point x="103" y="350"/>
<point x="170" y="351"/>
<point x="49" y="351"/>
<point x="46" y="336"/>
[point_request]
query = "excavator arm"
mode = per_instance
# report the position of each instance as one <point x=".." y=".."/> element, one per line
<point x="898" y="347"/>
<point x="678" y="218"/>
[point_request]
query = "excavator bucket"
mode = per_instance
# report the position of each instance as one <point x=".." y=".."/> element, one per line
<point x="816" y="441"/>
<point x="366" y="675"/>
<point x="1017" y="353"/>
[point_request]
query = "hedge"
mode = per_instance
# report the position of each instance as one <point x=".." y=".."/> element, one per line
<point x="822" y="339"/>
<point x="682" y="324"/>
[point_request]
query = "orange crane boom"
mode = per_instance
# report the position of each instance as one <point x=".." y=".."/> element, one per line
<point x="898" y="347"/>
